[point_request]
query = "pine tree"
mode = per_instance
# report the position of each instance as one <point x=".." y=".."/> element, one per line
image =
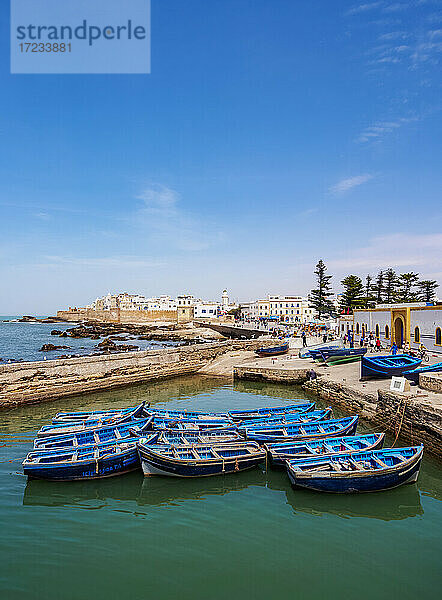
<point x="427" y="290"/>
<point x="319" y="298"/>
<point x="390" y="286"/>
<point x="378" y="287"/>
<point x="353" y="296"/>
<point x="407" y="283"/>
<point x="369" y="289"/>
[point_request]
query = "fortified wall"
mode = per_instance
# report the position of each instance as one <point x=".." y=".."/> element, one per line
<point x="33" y="382"/>
<point x="117" y="315"/>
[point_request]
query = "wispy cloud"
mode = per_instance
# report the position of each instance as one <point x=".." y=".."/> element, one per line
<point x="165" y="220"/>
<point x="397" y="250"/>
<point x="349" y="183"/>
<point x="131" y="262"/>
<point x="363" y="8"/>
<point x="381" y="128"/>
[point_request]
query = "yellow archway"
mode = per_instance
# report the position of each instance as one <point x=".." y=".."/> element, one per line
<point x="399" y="331"/>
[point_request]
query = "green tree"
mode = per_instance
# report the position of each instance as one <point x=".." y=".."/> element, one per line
<point x="427" y="290"/>
<point x="378" y="287"/>
<point x="353" y="295"/>
<point x="319" y="298"/>
<point x="407" y="283"/>
<point x="369" y="299"/>
<point x="390" y="286"/>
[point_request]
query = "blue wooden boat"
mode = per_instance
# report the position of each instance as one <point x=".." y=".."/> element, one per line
<point x="92" y="423"/>
<point x="372" y="471"/>
<point x="388" y="365"/>
<point x="304" y="431"/>
<point x="413" y="375"/>
<point x="279" y="453"/>
<point x="161" y="423"/>
<point x="274" y="351"/>
<point x="172" y="437"/>
<point x="200" y="460"/>
<point x="87" y="462"/>
<point x="70" y="417"/>
<point x="314" y="415"/>
<point x="108" y="433"/>
<point x="306" y="352"/>
<point x="339" y="354"/>
<point x="258" y="413"/>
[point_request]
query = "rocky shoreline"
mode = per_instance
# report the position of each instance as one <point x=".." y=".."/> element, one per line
<point x="108" y="336"/>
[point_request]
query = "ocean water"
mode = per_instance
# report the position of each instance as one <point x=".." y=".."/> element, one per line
<point x="245" y="535"/>
<point x="22" y="341"/>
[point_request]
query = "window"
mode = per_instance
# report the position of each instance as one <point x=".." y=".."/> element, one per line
<point x="387" y="331"/>
<point x="417" y="335"/>
<point x="377" y="331"/>
<point x="357" y="328"/>
<point x="438" y="337"/>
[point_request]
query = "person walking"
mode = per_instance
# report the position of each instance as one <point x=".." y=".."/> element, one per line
<point x="378" y="345"/>
<point x="394" y="349"/>
<point x="304" y="339"/>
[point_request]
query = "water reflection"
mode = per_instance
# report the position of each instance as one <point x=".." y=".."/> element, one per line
<point x="396" y="504"/>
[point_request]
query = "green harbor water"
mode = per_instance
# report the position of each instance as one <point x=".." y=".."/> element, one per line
<point x="247" y="535"/>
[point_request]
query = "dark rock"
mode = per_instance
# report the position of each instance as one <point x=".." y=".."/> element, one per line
<point x="56" y="332"/>
<point x="51" y="347"/>
<point x="107" y="344"/>
<point x="64" y="334"/>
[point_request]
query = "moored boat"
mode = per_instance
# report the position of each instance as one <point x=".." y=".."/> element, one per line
<point x="95" y="436"/>
<point x="372" y="471"/>
<point x="64" y="417"/>
<point x="274" y="351"/>
<point x="257" y="413"/>
<point x="175" y="437"/>
<point x="304" y="431"/>
<point x="200" y="460"/>
<point x="280" y="452"/>
<point x="161" y="423"/>
<point x="86" y="462"/>
<point x="306" y="352"/>
<point x="413" y="375"/>
<point x="388" y="365"/>
<point x="290" y="419"/>
<point x="65" y="428"/>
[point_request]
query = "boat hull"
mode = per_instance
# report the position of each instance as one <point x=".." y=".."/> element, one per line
<point x="266" y="436"/>
<point x="277" y="460"/>
<point x="276" y="351"/>
<point x="357" y="483"/>
<point x="387" y="366"/>
<point x="89" y="469"/>
<point x="153" y="463"/>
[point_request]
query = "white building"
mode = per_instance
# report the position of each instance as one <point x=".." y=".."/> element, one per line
<point x="206" y="310"/>
<point x="414" y="323"/>
<point x="283" y="309"/>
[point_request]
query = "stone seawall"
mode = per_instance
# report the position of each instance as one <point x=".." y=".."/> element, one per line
<point x="32" y="382"/>
<point x="417" y="416"/>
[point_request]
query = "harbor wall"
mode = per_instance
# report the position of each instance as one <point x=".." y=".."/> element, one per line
<point x="415" y="417"/>
<point x="40" y="381"/>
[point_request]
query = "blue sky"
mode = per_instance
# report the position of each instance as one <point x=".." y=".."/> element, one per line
<point x="269" y="134"/>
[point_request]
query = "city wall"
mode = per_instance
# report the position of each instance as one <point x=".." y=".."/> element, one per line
<point x="117" y="315"/>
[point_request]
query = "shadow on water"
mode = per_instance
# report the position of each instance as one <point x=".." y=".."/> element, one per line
<point x="396" y="504"/>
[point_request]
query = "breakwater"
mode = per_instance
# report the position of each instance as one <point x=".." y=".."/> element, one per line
<point x="416" y="415"/>
<point x="40" y="381"/>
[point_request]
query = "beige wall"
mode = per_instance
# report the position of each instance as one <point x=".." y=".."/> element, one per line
<point x="117" y="315"/>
